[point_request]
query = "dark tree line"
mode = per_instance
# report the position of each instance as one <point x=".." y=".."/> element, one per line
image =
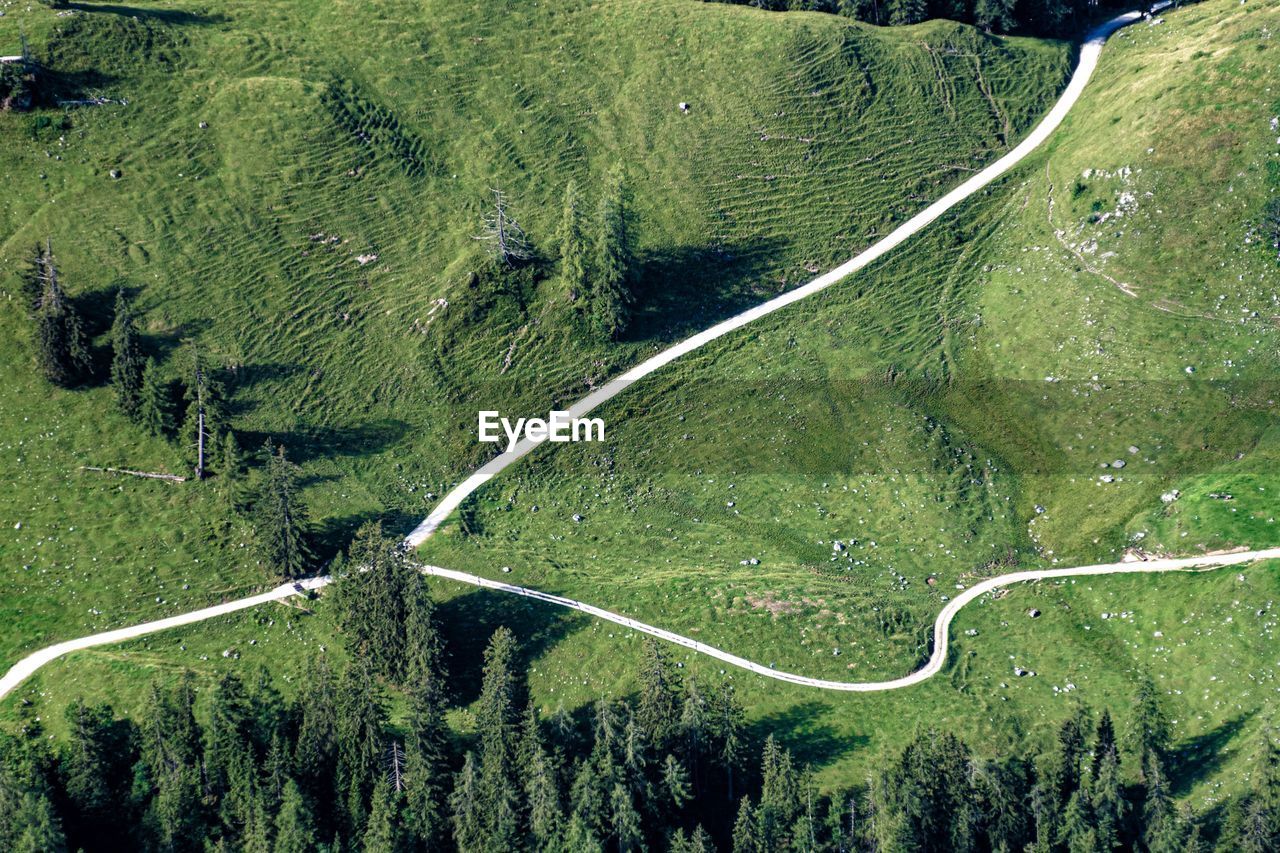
<point x="1058" y="18"/>
<point x="672" y="767"/>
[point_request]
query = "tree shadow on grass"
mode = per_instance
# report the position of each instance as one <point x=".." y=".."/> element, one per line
<point x="684" y="290"/>
<point x="309" y="443"/>
<point x="176" y="17"/>
<point x="469" y="620"/>
<point x="802" y="730"/>
<point x="1199" y="757"/>
<point x="333" y="537"/>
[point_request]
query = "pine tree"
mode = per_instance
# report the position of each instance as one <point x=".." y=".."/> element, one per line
<point x="281" y="518"/>
<point x="315" y="756"/>
<point x="361" y="722"/>
<point x="385" y="833"/>
<point x="295" y="829"/>
<point x="994" y="16"/>
<point x="36" y="828"/>
<point x="902" y="12"/>
<point x="747" y="837"/>
<point x="626" y="820"/>
<point x="659" y="707"/>
<point x="373" y="598"/>
<point x="155" y="406"/>
<point x="1148" y="732"/>
<point x="573" y="245"/>
<point x="62" y="349"/>
<point x="127" y="360"/>
<point x="496" y="719"/>
<point x="611" y="296"/>
<point x="426" y="747"/>
<point x="465" y="801"/>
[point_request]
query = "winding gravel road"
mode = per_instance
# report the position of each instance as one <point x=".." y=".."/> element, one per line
<point x="1088" y="60"/>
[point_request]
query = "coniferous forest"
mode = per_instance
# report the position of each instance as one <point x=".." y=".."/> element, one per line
<point x="673" y="767"/>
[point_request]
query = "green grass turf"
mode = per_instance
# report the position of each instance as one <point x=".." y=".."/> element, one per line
<point x="945" y="415"/>
<point x="937" y="358"/>
<point x="379" y="130"/>
<point x="1206" y="640"/>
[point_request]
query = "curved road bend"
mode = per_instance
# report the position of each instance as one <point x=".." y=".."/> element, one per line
<point x="941" y="626"/>
<point x="1090" y="51"/>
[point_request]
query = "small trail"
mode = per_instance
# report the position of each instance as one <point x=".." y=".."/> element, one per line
<point x="1090" y="50"/>
<point x="941" y="626"/>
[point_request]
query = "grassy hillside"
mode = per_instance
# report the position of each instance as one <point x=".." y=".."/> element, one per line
<point x="937" y="359"/>
<point x="1205" y="640"/>
<point x="261" y="149"/>
<point x="950" y="413"/>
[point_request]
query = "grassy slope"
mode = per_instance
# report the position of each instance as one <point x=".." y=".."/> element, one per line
<point x="808" y="136"/>
<point x="778" y="441"/>
<point x="1213" y="659"/>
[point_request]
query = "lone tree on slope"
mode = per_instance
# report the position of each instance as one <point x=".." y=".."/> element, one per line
<point x="127" y="361"/>
<point x="155" y="408"/>
<point x="573" y="245"/>
<point x="504" y="236"/>
<point x="62" y="349"/>
<point x="281" y="518"/>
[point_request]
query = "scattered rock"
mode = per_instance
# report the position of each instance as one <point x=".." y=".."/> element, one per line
<point x="684" y="106"/>
<point x="115" y="173"/>
<point x="204" y="125"/>
<point x="366" y="259"/>
<point x="1033" y="613"/>
<point x="1171" y="496"/>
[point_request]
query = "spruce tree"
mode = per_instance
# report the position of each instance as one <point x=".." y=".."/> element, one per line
<point x="62" y="349"/>
<point x="373" y="599"/>
<point x="36" y="826"/>
<point x="573" y="245"/>
<point x="902" y="12"/>
<point x="360" y="730"/>
<point x="626" y="827"/>
<point x="426" y="746"/>
<point x="155" y="406"/>
<point x="315" y="755"/>
<point x="994" y="16"/>
<point x="465" y="801"/>
<point x="281" y="518"/>
<point x="127" y="361"/>
<point x="611" y="295"/>
<point x="746" y="830"/>
<point x="659" y="707"/>
<point x="1106" y="797"/>
<point x="496" y="719"/>
<point x="385" y="832"/>
<point x="295" y="829"/>
<point x="1148" y="733"/>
